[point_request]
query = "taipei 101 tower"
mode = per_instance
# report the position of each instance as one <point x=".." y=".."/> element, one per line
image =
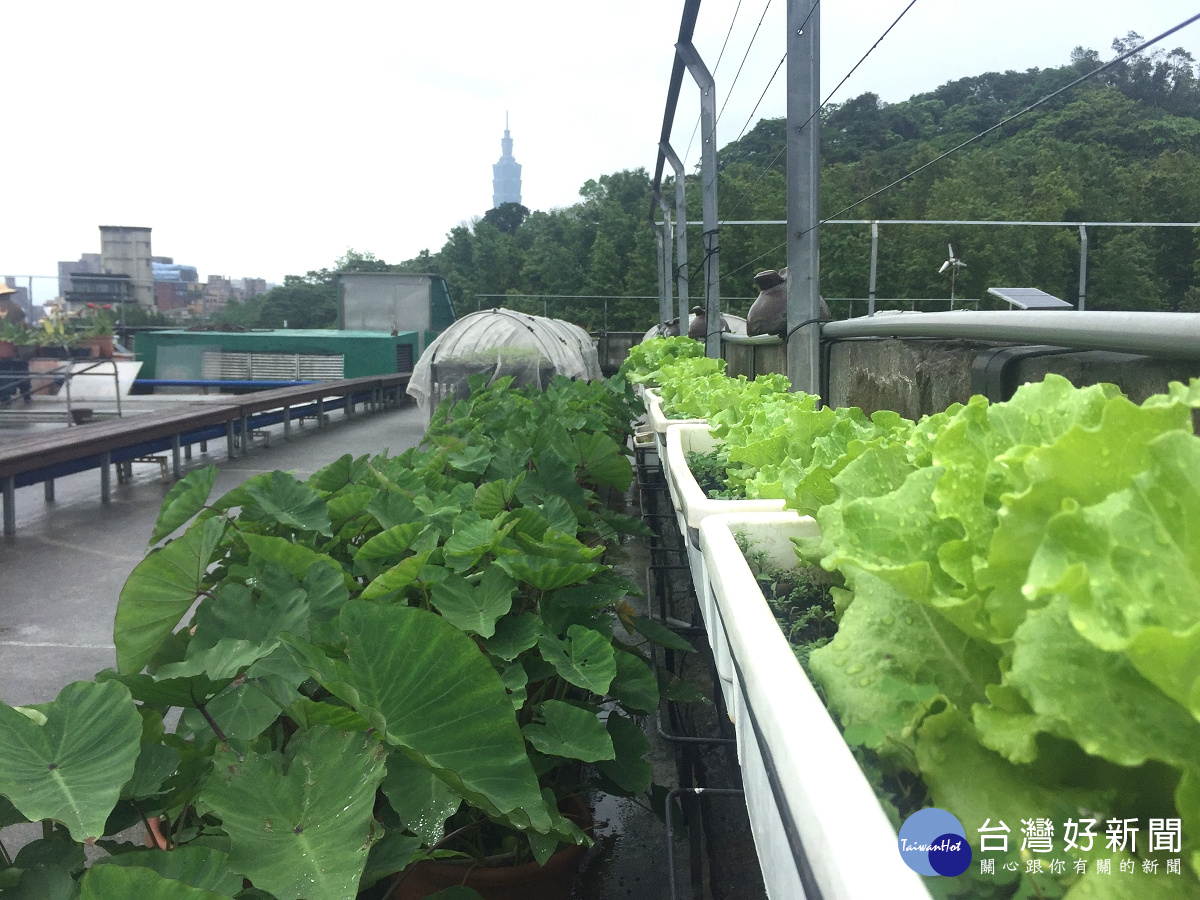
<point x="506" y="174"/>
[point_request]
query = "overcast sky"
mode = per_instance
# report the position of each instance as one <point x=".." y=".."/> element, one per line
<point x="265" y="138"/>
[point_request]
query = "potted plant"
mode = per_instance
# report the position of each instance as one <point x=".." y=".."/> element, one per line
<point x="97" y="334"/>
<point x="12" y="335"/>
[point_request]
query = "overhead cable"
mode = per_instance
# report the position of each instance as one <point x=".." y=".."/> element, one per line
<point x="720" y="56"/>
<point x="845" y="78"/>
<point x="1124" y="56"/>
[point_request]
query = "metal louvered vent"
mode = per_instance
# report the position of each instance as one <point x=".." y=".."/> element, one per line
<point x="273" y="367"/>
<point x="404" y="357"/>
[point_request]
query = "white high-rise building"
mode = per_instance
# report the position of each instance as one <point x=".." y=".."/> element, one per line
<point x="506" y="174"/>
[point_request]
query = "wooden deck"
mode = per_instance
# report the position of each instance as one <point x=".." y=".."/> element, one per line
<point x="47" y="455"/>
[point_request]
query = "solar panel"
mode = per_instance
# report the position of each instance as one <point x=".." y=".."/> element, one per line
<point x="1029" y="298"/>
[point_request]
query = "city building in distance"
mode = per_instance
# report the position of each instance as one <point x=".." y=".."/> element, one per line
<point x="506" y="174"/>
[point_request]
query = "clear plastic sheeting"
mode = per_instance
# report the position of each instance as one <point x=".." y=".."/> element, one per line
<point x="501" y="342"/>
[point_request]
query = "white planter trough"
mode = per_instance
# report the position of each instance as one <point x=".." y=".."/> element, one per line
<point x="693" y="506"/>
<point x="818" y="828"/>
<point x="659" y="421"/>
<point x="691" y="503"/>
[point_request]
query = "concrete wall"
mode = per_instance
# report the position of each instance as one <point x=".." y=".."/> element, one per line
<point x="922" y="377"/>
<point x="126" y="251"/>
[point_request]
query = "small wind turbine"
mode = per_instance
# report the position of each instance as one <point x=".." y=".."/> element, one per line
<point x="953" y="264"/>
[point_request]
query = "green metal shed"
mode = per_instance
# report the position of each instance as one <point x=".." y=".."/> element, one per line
<point x="284" y="354"/>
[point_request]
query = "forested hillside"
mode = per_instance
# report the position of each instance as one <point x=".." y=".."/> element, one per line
<point x="1122" y="147"/>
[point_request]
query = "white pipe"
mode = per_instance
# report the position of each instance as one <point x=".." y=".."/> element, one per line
<point x="1162" y="334"/>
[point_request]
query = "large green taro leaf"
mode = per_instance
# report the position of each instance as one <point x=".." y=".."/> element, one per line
<point x="601" y="460"/>
<point x="199" y="867"/>
<point x="546" y="573"/>
<point x="571" y="732"/>
<point x="46" y="882"/>
<point x="475" y="607"/>
<point x="421" y="799"/>
<point x="159" y="590"/>
<point x="391" y="543"/>
<point x="397" y="577"/>
<point x="183" y="501"/>
<point x="629" y="770"/>
<point x="71" y="767"/>
<point x="234" y="612"/>
<point x="635" y="686"/>
<point x="300" y="825"/>
<point x="126" y="882"/>
<point x="291" y="503"/>
<point x="338" y="474"/>
<point x="295" y="558"/>
<point x="514" y="635"/>
<point x="424" y="684"/>
<point x="586" y="658"/>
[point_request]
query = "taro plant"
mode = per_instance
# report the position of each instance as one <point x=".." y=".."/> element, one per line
<point x="400" y="658"/>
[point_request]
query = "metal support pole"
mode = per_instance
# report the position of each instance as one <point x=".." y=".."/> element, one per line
<point x="320" y="412"/>
<point x="668" y="264"/>
<point x="874" y="263"/>
<point x="187" y="451"/>
<point x="10" y="504"/>
<point x="287" y="422"/>
<point x="245" y="443"/>
<point x="175" y="469"/>
<point x="48" y="490"/>
<point x="708" y="197"/>
<point x="232" y="451"/>
<point x="681" y="254"/>
<point x="105" y="477"/>
<point x="660" y="259"/>
<point x="116" y="387"/>
<point x="692" y="826"/>
<point x="1083" y="242"/>
<point x="348" y="409"/>
<point x="803" y="163"/>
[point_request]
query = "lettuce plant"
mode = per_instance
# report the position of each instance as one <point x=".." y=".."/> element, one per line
<point x="646" y="358"/>
<point x="1024" y="618"/>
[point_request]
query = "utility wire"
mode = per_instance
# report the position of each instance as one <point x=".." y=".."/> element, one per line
<point x="770" y="81"/>
<point x="1108" y="65"/>
<point x="857" y="64"/>
<point x="737" y="75"/>
<point x="771" y="164"/>
<point x="760" y="99"/>
<point x="774" y="249"/>
<point x="745" y="56"/>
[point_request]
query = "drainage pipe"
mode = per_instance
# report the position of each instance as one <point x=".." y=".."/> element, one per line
<point x="1160" y="334"/>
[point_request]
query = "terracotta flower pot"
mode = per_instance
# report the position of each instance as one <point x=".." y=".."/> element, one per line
<point x="8" y="350"/>
<point x="101" y="345"/>
<point x="528" y="881"/>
